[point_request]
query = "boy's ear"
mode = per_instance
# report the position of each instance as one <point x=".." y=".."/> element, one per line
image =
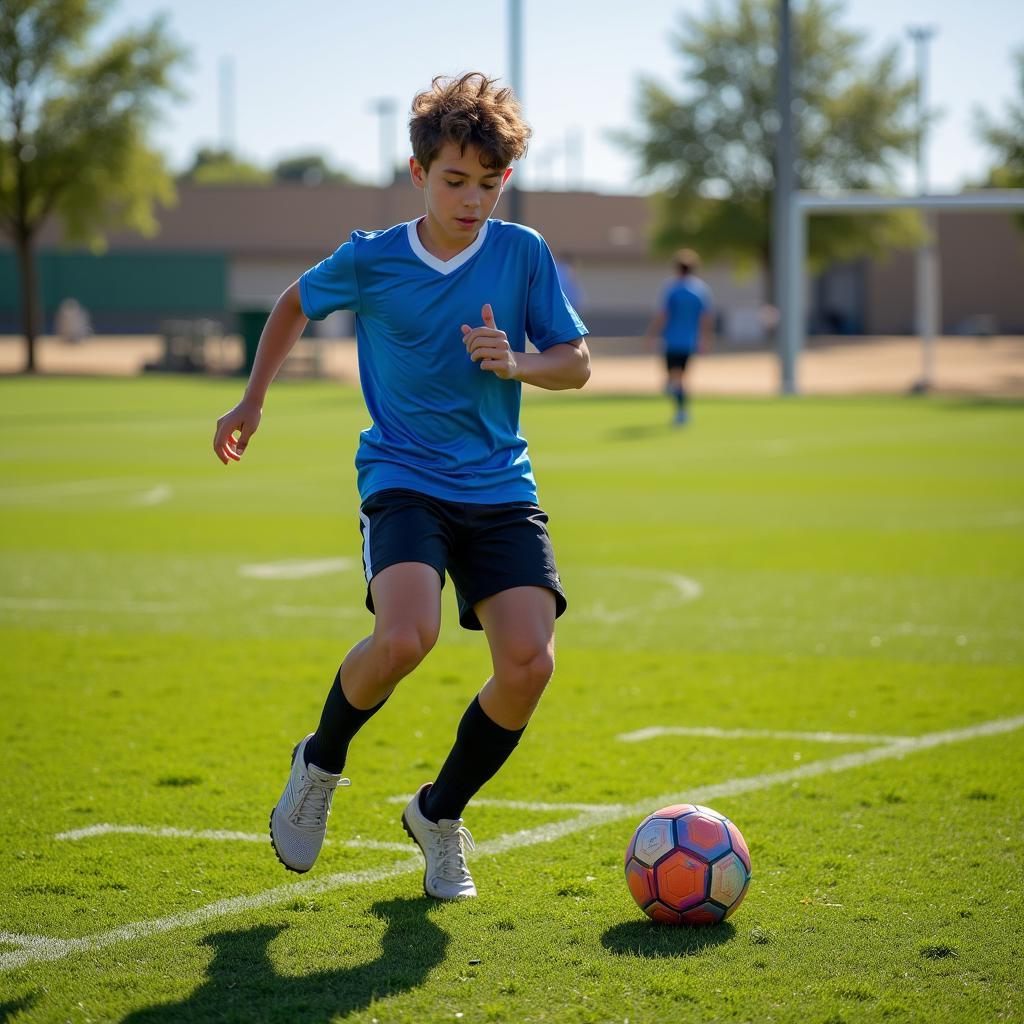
<point x="417" y="173"/>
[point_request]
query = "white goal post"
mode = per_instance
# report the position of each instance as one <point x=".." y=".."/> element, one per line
<point x="792" y="322"/>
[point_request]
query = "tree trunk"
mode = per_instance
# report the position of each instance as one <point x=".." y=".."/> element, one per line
<point x="30" y="319"/>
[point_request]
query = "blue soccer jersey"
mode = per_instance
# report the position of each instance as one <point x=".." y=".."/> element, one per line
<point x="685" y="301"/>
<point x="440" y="424"/>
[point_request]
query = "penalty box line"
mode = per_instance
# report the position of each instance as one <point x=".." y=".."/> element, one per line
<point x="41" y="948"/>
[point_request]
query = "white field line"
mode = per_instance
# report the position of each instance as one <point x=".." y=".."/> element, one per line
<point x="57" y="949"/>
<point x="17" y="939"/>
<point x="312" y="611"/>
<point x="521" y="805"/>
<point x="29" y="493"/>
<point x="155" y="495"/>
<point x="295" y="569"/>
<point x="71" y="604"/>
<point x="138" y="607"/>
<point x="220" y="835"/>
<point x="766" y="734"/>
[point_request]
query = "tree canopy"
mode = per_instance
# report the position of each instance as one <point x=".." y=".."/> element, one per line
<point x="709" y="144"/>
<point x="73" y="128"/>
<point x="212" y="166"/>
<point x="1007" y="139"/>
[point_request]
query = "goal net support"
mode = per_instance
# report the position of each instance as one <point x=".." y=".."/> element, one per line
<point x="802" y="205"/>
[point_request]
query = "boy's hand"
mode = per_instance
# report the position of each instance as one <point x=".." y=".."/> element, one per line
<point x="244" y="418"/>
<point x="489" y="347"/>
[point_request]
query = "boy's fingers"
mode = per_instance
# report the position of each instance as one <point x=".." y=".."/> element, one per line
<point x="488" y="314"/>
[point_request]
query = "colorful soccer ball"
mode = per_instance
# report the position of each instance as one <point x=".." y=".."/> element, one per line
<point x="687" y="864"/>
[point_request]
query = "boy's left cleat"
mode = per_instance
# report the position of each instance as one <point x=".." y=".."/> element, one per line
<point x="298" y="823"/>
<point x="446" y="876"/>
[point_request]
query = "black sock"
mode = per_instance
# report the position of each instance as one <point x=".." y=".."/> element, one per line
<point x="339" y="722"/>
<point x="481" y="748"/>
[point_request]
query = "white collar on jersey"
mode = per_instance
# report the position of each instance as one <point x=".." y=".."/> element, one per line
<point x="443" y="266"/>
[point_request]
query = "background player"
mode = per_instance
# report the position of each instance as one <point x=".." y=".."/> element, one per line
<point x="685" y="323"/>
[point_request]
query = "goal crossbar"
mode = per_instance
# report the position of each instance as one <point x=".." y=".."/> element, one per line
<point x="803" y="204"/>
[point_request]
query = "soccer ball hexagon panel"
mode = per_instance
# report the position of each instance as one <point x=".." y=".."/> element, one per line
<point x="687" y="864"/>
<point x="654" y="839"/>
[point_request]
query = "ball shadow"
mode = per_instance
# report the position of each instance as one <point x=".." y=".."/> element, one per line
<point x="650" y="939"/>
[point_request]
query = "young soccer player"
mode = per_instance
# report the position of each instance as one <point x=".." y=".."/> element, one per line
<point x="443" y="307"/>
<point x="685" y="322"/>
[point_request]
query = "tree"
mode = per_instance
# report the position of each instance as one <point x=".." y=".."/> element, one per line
<point x="310" y="169"/>
<point x="711" y="148"/>
<point x="73" y="130"/>
<point x="1007" y="140"/>
<point x="221" y="167"/>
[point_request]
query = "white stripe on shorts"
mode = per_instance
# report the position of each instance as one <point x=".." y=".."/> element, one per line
<point x="367" y="565"/>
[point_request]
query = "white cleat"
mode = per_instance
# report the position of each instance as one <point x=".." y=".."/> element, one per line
<point x="298" y="823"/>
<point x="446" y="876"/>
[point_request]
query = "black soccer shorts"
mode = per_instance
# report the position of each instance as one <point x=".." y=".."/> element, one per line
<point x="676" y="360"/>
<point x="485" y="549"/>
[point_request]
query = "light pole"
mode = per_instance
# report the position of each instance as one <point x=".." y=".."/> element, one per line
<point x="385" y="108"/>
<point x="926" y="259"/>
<point x="513" y="197"/>
<point x="784" y="270"/>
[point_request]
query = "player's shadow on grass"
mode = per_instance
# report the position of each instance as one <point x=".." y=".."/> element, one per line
<point x="638" y="431"/>
<point x="649" y="939"/>
<point x="242" y="984"/>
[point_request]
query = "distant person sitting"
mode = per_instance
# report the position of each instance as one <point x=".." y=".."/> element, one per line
<point x="685" y="323"/>
<point x="72" y="322"/>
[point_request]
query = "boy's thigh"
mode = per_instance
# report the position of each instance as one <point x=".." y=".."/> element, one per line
<point x="407" y="595"/>
<point x="519" y="623"/>
<point x="500" y="548"/>
<point x="407" y="539"/>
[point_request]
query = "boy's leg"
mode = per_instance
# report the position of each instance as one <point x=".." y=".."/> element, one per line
<point x="520" y="627"/>
<point x="519" y="624"/>
<point x="407" y="604"/>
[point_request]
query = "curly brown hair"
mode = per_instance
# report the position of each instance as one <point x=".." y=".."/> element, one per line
<point x="468" y="111"/>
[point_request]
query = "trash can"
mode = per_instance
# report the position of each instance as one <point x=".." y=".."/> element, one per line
<point x="250" y="327"/>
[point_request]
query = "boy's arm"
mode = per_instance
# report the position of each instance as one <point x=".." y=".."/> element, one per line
<point x="562" y="366"/>
<point x="283" y="328"/>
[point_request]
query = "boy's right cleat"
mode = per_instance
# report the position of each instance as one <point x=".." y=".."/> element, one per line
<point x="443" y="843"/>
<point x="298" y="823"/>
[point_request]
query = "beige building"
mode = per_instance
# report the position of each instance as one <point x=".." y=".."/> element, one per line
<point x="230" y="248"/>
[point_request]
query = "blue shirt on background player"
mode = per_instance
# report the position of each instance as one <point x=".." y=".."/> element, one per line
<point x="440" y="426"/>
<point x="685" y="301"/>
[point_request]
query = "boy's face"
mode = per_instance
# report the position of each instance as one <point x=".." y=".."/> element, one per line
<point x="460" y="194"/>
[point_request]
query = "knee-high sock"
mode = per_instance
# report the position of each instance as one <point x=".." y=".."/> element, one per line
<point x="481" y="748"/>
<point x="339" y="722"/>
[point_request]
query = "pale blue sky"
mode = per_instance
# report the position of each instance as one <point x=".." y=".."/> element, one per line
<point x="305" y="73"/>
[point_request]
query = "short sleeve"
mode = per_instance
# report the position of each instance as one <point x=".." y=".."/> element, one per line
<point x="331" y="284"/>
<point x="550" y="318"/>
<point x="707" y="300"/>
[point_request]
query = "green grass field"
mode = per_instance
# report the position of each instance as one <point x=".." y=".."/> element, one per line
<point x="852" y="568"/>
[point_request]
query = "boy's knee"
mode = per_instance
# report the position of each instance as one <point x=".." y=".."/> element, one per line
<point x="402" y="648"/>
<point x="525" y="676"/>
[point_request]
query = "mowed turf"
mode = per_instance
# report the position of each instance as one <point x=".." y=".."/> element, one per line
<point x="169" y="628"/>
